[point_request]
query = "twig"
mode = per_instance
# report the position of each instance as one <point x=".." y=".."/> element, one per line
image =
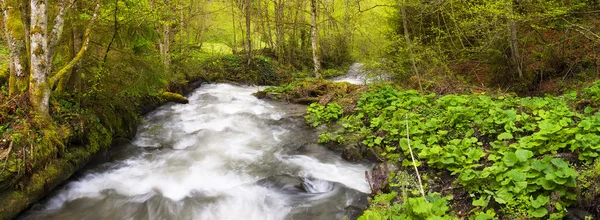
<point x="569" y="71"/>
<point x="413" y="159"/>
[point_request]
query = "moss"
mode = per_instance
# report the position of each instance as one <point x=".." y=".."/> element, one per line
<point x="39" y="184"/>
<point x="307" y="91"/>
<point x="15" y="23"/>
<point x="174" y="97"/>
<point x="36" y="30"/>
<point x="589" y="188"/>
<point x="4" y="75"/>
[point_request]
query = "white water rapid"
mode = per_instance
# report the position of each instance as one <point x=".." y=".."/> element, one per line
<point x="225" y="155"/>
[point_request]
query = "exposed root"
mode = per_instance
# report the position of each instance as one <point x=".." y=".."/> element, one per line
<point x="5" y="156"/>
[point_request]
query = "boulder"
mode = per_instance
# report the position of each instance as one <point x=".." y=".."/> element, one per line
<point x="174" y="97"/>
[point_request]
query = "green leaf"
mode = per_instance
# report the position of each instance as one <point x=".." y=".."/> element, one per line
<point x="539" y="165"/>
<point x="559" y="163"/>
<point x="489" y="215"/>
<point x="378" y="140"/>
<point x="422" y="206"/>
<point x="503" y="196"/>
<point x="481" y="202"/>
<point x="546" y="184"/>
<point x="539" y="212"/>
<point x="570" y="172"/>
<point x="523" y="155"/>
<point x="505" y="136"/>
<point x="510" y="159"/>
<point x="516" y="175"/>
<point x="540" y="201"/>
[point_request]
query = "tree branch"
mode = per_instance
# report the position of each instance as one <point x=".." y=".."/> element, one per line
<point x="373" y="7"/>
<point x="81" y="52"/>
<point x="56" y="33"/>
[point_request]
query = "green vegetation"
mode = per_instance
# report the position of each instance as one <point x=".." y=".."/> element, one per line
<point x="503" y="154"/>
<point x="518" y="157"/>
<point x="318" y="114"/>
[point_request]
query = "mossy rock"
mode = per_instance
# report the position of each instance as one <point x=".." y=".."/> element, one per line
<point x="374" y="154"/>
<point x="352" y="153"/>
<point x="174" y="97"/>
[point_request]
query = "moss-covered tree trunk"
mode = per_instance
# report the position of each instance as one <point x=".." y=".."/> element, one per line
<point x="17" y="45"/>
<point x="41" y="52"/>
<point x="39" y="90"/>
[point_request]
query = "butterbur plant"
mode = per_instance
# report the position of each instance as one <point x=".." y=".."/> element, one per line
<point x="318" y="114"/>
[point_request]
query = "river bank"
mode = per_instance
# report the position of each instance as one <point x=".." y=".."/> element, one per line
<point x="479" y="155"/>
<point x="78" y="151"/>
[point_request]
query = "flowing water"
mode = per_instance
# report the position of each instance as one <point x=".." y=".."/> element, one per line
<point x="359" y="75"/>
<point x="225" y="155"/>
<point x="355" y="75"/>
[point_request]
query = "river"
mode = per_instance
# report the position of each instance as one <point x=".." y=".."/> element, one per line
<point x="225" y="155"/>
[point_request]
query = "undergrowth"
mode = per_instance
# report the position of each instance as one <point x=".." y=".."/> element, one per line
<point x="516" y="158"/>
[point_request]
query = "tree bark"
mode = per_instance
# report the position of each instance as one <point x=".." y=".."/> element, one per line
<point x="165" y="42"/>
<point x="77" y="36"/>
<point x="248" y="33"/>
<point x="39" y="90"/>
<point x="40" y="83"/>
<point x="267" y="26"/>
<point x="314" y="36"/>
<point x="17" y="45"/>
<point x="234" y="46"/>
<point x="514" y="43"/>
<point x="56" y="33"/>
<point x="82" y="50"/>
<point x="409" y="45"/>
<point x="279" y="35"/>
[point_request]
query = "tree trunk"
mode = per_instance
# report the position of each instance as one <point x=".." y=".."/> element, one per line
<point x="76" y="39"/>
<point x="72" y="76"/>
<point x="248" y="33"/>
<point x="267" y="26"/>
<point x="40" y="83"/>
<point x="165" y="46"/>
<point x="514" y="43"/>
<point x="234" y="46"/>
<point x="84" y="45"/>
<point x="314" y="36"/>
<point x="39" y="90"/>
<point x="165" y="42"/>
<point x="15" y="37"/>
<point x="279" y="35"/>
<point x="409" y="45"/>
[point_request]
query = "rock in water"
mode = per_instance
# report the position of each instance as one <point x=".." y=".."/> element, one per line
<point x="174" y="97"/>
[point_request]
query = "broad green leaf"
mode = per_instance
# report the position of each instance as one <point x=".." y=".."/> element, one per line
<point x="570" y="172"/>
<point x="481" y="202"/>
<point x="539" y="212"/>
<point x="505" y="136"/>
<point x="540" y="201"/>
<point x="523" y="155"/>
<point x="559" y="163"/>
<point x="510" y="159"/>
<point x="503" y="196"/>
<point x="516" y="175"/>
<point x="546" y="184"/>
